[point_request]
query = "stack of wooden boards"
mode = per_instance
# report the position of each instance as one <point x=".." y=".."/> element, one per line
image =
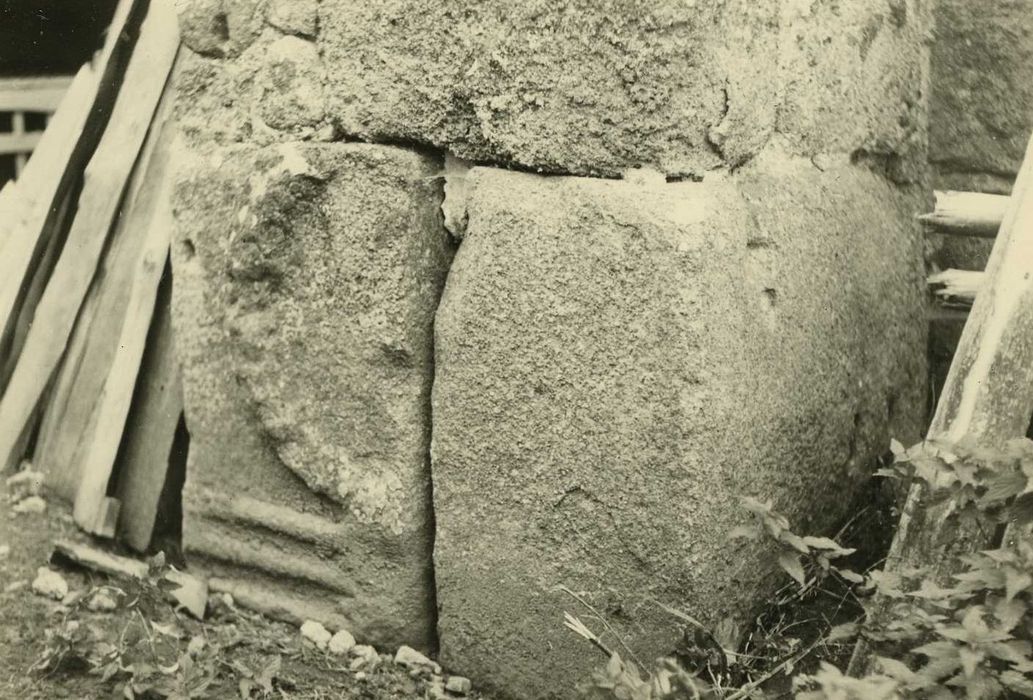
<point x="89" y="388"/>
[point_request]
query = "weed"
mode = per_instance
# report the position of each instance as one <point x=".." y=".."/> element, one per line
<point x="970" y="639"/>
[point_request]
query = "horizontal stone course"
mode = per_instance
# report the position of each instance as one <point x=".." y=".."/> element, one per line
<point x="582" y="87"/>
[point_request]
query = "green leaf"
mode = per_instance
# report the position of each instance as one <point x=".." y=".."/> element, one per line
<point x="791" y="564"/>
<point x="1017" y="683"/>
<point x="614" y="667"/>
<point x="847" y="630"/>
<point x="896" y="448"/>
<point x="895" y="670"/>
<point x="970" y="660"/>
<point x="794" y="541"/>
<point x="1009" y="612"/>
<point x="831" y="547"/>
<point x="1002" y="486"/>
<point x="941" y="649"/>
<point x="851" y="576"/>
<point x="1015" y="582"/>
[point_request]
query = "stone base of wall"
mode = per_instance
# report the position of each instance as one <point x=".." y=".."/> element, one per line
<point x="306" y="283"/>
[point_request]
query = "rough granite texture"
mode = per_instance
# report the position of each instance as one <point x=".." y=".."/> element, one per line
<point x="576" y="87"/>
<point x="617" y="362"/>
<point x="306" y="283"/>
<point x="981" y="97"/>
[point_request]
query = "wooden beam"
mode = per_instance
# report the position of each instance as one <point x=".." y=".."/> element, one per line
<point x="987" y="397"/>
<point x="959" y="285"/>
<point x="10" y="207"/>
<point x="143" y="460"/>
<point x="23" y="143"/>
<point x="71" y="413"/>
<point x="37" y="94"/>
<point x="105" y="178"/>
<point x="966" y="214"/>
<point x="102" y="443"/>
<point x="190" y="592"/>
<point x="54" y="172"/>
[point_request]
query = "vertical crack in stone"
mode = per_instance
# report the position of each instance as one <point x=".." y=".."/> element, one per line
<point x="452" y="197"/>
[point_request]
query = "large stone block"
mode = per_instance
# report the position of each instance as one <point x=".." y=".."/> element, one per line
<point x="585" y="87"/>
<point x="306" y="280"/>
<point x="981" y="106"/>
<point x="617" y="362"/>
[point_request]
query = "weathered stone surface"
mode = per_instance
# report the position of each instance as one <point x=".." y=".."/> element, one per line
<point x="294" y="16"/>
<point x="597" y="87"/>
<point x="981" y="106"/>
<point x="306" y="282"/>
<point x="617" y="363"/>
<point x="290" y="85"/>
<point x="219" y="27"/>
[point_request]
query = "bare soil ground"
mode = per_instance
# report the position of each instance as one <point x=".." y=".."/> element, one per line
<point x="144" y="648"/>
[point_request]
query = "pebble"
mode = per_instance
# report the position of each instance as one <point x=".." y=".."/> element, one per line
<point x="364" y="654"/>
<point x="50" y="584"/>
<point x="27" y="482"/>
<point x="410" y="658"/>
<point x="436" y="689"/>
<point x="14" y="586"/>
<point x="315" y="633"/>
<point x="5" y="551"/>
<point x="459" y="685"/>
<point x="196" y="645"/>
<point x="32" y="504"/>
<point x="101" y="601"/>
<point x="341" y="643"/>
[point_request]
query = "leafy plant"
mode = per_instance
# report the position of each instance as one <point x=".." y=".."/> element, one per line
<point x="970" y="637"/>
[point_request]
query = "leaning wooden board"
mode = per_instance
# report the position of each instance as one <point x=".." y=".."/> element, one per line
<point x="100" y="445"/>
<point x="104" y="184"/>
<point x="52" y="174"/>
<point x="143" y="460"/>
<point x="71" y="412"/>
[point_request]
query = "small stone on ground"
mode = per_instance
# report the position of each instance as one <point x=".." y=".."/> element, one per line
<point x="458" y="685"/>
<point x="341" y="643"/>
<point x="410" y="658"/>
<point x="315" y="633"/>
<point x="32" y="504"/>
<point x="50" y="584"/>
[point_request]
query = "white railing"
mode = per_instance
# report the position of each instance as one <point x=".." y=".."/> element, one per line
<point x="27" y="97"/>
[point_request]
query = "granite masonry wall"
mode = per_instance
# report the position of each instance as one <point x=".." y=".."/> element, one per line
<point x="476" y="300"/>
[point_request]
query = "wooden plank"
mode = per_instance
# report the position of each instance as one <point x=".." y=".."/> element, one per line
<point x="967" y="214"/>
<point x="10" y="207"/>
<point x="18" y="328"/>
<point x="987" y="397"/>
<point x="143" y="460"/>
<point x="36" y="94"/>
<point x="191" y="592"/>
<point x="104" y="182"/>
<point x="101" y="447"/>
<point x="55" y="170"/>
<point x="19" y="143"/>
<point x="961" y="286"/>
<point x="72" y="410"/>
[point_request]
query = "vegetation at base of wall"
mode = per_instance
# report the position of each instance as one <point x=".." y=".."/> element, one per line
<point x="967" y="637"/>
